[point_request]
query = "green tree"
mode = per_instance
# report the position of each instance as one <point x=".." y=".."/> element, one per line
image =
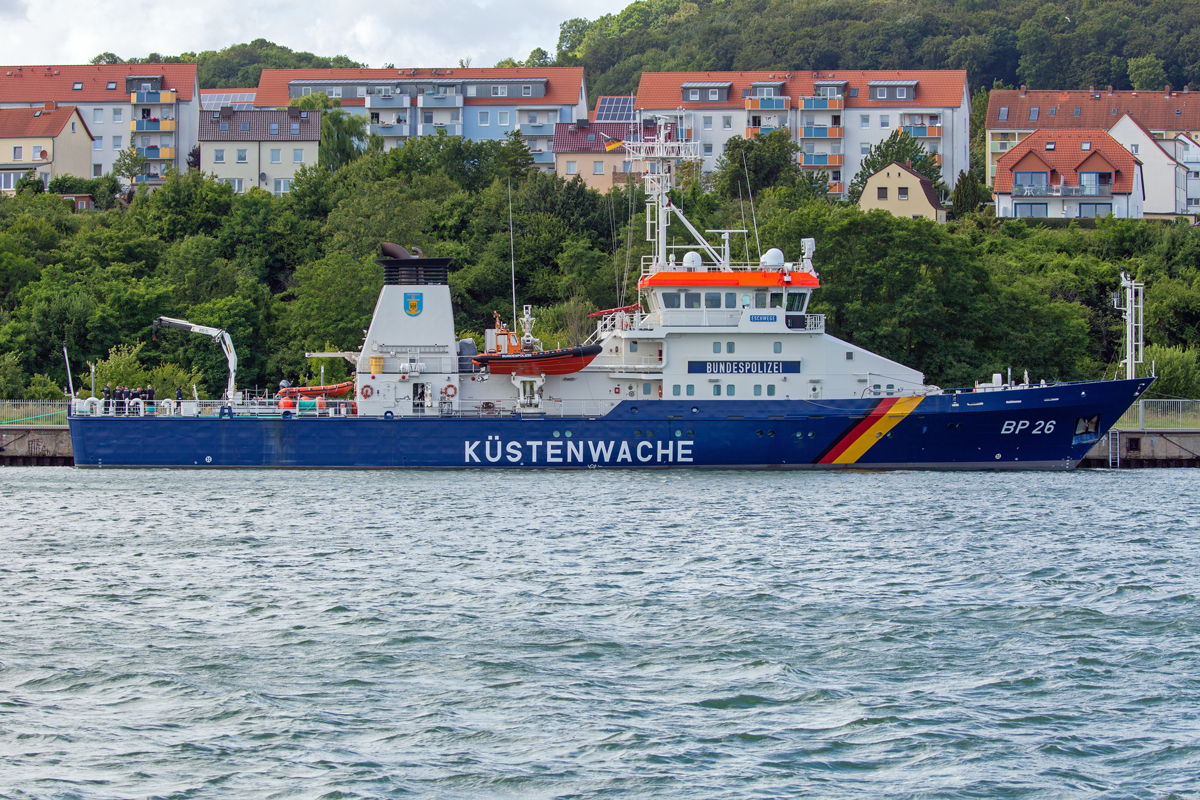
<point x="42" y="387"/>
<point x="899" y="148"/>
<point x="12" y="377"/>
<point x="129" y="164"/>
<point x="968" y="194"/>
<point x="1177" y="369"/>
<point x="30" y="183"/>
<point x="538" y="58"/>
<point x="757" y="163"/>
<point x="1147" y="73"/>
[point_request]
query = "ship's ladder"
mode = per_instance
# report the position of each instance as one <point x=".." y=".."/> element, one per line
<point x="1114" y="449"/>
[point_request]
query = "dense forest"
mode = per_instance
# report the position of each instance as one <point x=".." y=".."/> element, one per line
<point x="296" y="273"/>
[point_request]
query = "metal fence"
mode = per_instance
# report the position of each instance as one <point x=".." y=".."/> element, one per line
<point x="1161" y="415"/>
<point x="33" y="412"/>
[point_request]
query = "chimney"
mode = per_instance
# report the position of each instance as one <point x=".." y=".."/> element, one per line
<point x="1185" y="88"/>
<point x="1110" y="90"/>
<point x="50" y="105"/>
<point x="1091" y="88"/>
<point x="1167" y="91"/>
<point x="1022" y="90"/>
<point x="908" y="163"/>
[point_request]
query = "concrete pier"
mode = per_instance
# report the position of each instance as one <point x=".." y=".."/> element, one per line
<point x="1137" y="449"/>
<point x="35" y="446"/>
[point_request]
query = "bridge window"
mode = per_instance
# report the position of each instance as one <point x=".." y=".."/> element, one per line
<point x="670" y="299"/>
<point x="760" y="300"/>
<point x="712" y="299"/>
<point x="691" y="300"/>
<point x="731" y="299"/>
<point x="776" y="299"/>
<point x="633" y="347"/>
<point x="745" y="301"/>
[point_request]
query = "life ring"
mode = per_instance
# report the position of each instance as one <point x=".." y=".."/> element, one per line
<point x="450" y="390"/>
<point x="367" y="391"/>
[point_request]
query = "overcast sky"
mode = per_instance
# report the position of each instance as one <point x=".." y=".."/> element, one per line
<point x="408" y="33"/>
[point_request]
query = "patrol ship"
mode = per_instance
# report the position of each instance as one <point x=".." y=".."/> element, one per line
<point x="719" y="365"/>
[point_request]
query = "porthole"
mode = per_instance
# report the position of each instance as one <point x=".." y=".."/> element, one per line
<point x="633" y="410"/>
<point x="799" y="434"/>
<point x="758" y="433"/>
<point x="637" y="434"/>
<point x="811" y="434"/>
<point x="678" y="433"/>
<point x="649" y="434"/>
<point x="556" y="434"/>
<point x="770" y="433"/>
<point x="695" y="410"/>
<point x="568" y="434"/>
<point x="690" y="434"/>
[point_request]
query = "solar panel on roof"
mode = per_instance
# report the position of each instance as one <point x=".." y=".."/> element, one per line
<point x="615" y="109"/>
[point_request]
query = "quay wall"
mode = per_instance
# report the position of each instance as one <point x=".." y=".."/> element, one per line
<point x="35" y="446"/>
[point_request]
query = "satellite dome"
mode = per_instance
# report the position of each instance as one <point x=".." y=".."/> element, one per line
<point x="772" y="259"/>
<point x="692" y="262"/>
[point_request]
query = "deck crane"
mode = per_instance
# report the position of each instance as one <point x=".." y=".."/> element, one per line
<point x="219" y="335"/>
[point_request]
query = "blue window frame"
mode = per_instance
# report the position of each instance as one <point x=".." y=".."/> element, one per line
<point x="1030" y="210"/>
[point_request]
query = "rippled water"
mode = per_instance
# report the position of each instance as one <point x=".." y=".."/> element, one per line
<point x="599" y="634"/>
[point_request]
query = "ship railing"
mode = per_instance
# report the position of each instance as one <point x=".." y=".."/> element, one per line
<point x="167" y="408"/>
<point x="622" y="321"/>
<point x="1161" y="415"/>
<point x="33" y="412"/>
<point x="701" y="318"/>
<point x="651" y="265"/>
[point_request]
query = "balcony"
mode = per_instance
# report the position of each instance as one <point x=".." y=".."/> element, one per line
<point x="390" y="129"/>
<point x="822" y="103"/>
<point x="388" y="101"/>
<point x="837" y="187"/>
<point x="820" y="132"/>
<point x="924" y="131"/>
<point x="432" y="128"/>
<point x="545" y="129"/>
<point x="1103" y="190"/>
<point x="1002" y="147"/>
<point x="759" y="131"/>
<point x="439" y="101"/>
<point x="152" y="125"/>
<point x="157" y="152"/>
<point x="543" y="157"/>
<point x="152" y="97"/>
<point x="768" y="103"/>
<point x="937" y="158"/>
<point x="824" y="159"/>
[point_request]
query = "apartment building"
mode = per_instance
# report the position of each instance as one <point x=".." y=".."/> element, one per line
<point x="479" y="104"/>
<point x="836" y="117"/>
<point x="1014" y="114"/>
<point x="258" y="147"/>
<point x="52" y="140"/>
<point x="1163" y="170"/>
<point x="1069" y="173"/>
<point x="902" y="192"/>
<point x="154" y="107"/>
<point x="591" y="151"/>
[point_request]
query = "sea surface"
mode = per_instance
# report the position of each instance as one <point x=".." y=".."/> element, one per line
<point x="180" y="634"/>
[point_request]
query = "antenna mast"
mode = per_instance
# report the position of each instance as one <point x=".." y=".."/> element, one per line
<point x="1133" y="306"/>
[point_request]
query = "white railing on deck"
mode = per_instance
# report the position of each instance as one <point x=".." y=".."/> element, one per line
<point x="700" y="317"/>
<point x="651" y="265"/>
<point x="33" y="412"/>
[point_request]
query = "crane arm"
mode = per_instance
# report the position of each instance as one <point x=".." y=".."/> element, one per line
<point x="218" y="335"/>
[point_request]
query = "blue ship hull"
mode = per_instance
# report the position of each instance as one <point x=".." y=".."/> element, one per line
<point x="1050" y="427"/>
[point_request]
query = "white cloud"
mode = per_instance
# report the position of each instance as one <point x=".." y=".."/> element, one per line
<point x="404" y="33"/>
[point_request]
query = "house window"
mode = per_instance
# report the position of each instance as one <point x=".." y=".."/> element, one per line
<point x="77" y="86"/>
<point x="116" y="115"/>
<point x="223" y="125"/>
<point x="1025" y="180"/>
<point x="707" y="123"/>
<point x="693" y="94"/>
<point x="1038" y="210"/>
<point x="902" y="193"/>
<point x="274" y="128"/>
<point x="1077" y="111"/>
<point x="427" y="117"/>
<point x="1053" y="111"/>
<point x="810" y="119"/>
<point x="864" y="149"/>
<point x="526" y="91"/>
<point x="1003" y="113"/>
<point x="335" y="91"/>
<point x="97" y="170"/>
<point x="111" y="85"/>
<point x="297" y="156"/>
<point x="18" y="153"/>
<point x="885" y="121"/>
<point x="307" y="90"/>
<point x="572" y="168"/>
<point x="1095" y="209"/>
<point x="245" y="126"/>
<point x="597" y="167"/>
<point x="218" y="156"/>
<point x="1050" y="146"/>
<point x="484" y="118"/>
<point x="471" y="90"/>
<point x="276" y="156"/>
<point x="727" y="123"/>
<point x="116" y="143"/>
<point x="901" y="92"/>
<point x="1085" y="145"/>
<point x="502" y="118"/>
<point x="881" y="93"/>
<point x="1133" y="148"/>
<point x="864" y="121"/>
<point x="241" y="156"/>
<point x="295" y="129"/>
<point x="282" y="186"/>
<point x="713" y="94"/>
<point x="98" y="143"/>
<point x="1033" y="113"/>
<point x="98" y="116"/>
<point x="236" y="183"/>
<point x="532" y="117"/>
<point x="499" y="91"/>
<point x="881" y="193"/>
<point x="708" y="148"/>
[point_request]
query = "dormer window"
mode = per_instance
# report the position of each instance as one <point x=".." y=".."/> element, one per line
<point x="499" y="91"/>
<point x="881" y="93"/>
<point x="527" y="91"/>
<point x="693" y="94"/>
<point x="901" y="93"/>
<point x="713" y="94"/>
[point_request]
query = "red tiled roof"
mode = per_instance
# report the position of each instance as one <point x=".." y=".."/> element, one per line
<point x="1097" y="109"/>
<point x="570" y="138"/>
<point x="563" y="84"/>
<point x="925" y="183"/>
<point x="21" y="122"/>
<point x="1066" y="157"/>
<point x="36" y="84"/>
<point x="935" y="88"/>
